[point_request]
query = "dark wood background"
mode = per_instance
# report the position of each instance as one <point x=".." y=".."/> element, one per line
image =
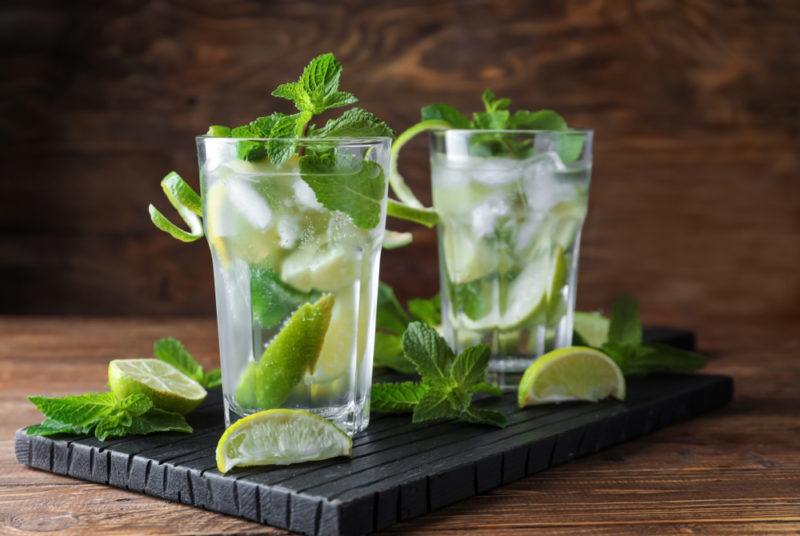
<point x="695" y="202"/>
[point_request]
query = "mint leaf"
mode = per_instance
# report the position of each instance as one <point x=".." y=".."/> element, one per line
<point x="280" y="150"/>
<point x="212" y="378"/>
<point x="76" y="410"/>
<point x="625" y="327"/>
<point x="484" y="416"/>
<point x="429" y="311"/>
<point x="428" y="351"/>
<point x="51" y="427"/>
<point x="487" y="388"/>
<point x="469" y="367"/>
<point x="538" y="120"/>
<point x="173" y="351"/>
<point x="317" y="88"/>
<point x="436" y="403"/>
<point x="389" y="353"/>
<point x="396" y="397"/>
<point x="390" y="316"/>
<point x="252" y="151"/>
<point x="135" y="404"/>
<point x="158" y="420"/>
<point x="272" y="299"/>
<point x="491" y="120"/>
<point x="347" y="184"/>
<point x="108" y="429"/>
<point x="492" y="103"/>
<point x="354" y="123"/>
<point x="650" y="358"/>
<point x="445" y="112"/>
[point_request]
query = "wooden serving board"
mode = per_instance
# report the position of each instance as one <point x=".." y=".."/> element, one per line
<point x="398" y="470"/>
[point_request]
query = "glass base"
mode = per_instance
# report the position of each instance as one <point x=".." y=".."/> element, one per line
<point x="506" y="371"/>
<point x="349" y="417"/>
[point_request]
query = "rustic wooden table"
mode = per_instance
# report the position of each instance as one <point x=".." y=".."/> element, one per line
<point x="735" y="471"/>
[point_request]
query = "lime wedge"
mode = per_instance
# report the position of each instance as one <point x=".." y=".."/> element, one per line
<point x="528" y="293"/>
<point x="467" y="257"/>
<point x="591" y="327"/>
<point x="321" y="269"/>
<point x="572" y="373"/>
<point x="340" y="339"/>
<point x="280" y="437"/>
<point x="168" y="388"/>
<point x="294" y="350"/>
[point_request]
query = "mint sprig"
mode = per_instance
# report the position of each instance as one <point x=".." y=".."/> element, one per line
<point x="173" y="351"/>
<point x="341" y="182"/>
<point x="624" y="345"/>
<point x="105" y="415"/>
<point x="497" y="115"/>
<point x="448" y="381"/>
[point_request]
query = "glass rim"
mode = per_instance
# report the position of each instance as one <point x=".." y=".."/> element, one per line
<point x="340" y="140"/>
<point x="512" y="131"/>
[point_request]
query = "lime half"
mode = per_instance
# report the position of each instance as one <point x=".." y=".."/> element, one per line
<point x="280" y="437"/>
<point x="572" y="373"/>
<point x="168" y="388"/>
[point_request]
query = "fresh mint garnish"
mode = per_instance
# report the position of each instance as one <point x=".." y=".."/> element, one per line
<point x="625" y="347"/>
<point x="105" y="415"/>
<point x="391" y="324"/>
<point x="341" y="182"/>
<point x="497" y="115"/>
<point x="447" y="385"/>
<point x="317" y="89"/>
<point x="173" y="351"/>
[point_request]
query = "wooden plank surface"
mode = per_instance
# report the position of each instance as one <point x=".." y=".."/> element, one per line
<point x="734" y="471"/>
<point x="694" y="103"/>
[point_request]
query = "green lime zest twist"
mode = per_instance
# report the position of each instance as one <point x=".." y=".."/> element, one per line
<point x="186" y="202"/>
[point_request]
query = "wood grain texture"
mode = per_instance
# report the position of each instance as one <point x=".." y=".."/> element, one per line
<point x="695" y="202"/>
<point x="736" y="471"/>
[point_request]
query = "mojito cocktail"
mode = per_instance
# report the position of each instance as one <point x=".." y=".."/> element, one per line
<point x="296" y="249"/>
<point x="511" y="206"/>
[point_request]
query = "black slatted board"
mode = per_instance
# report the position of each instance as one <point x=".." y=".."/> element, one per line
<point x="398" y="470"/>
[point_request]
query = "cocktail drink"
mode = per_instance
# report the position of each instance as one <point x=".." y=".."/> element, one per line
<point x="296" y="249"/>
<point x="511" y="206"/>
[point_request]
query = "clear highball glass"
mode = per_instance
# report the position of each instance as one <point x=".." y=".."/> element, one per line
<point x="283" y="237"/>
<point x="511" y="206"/>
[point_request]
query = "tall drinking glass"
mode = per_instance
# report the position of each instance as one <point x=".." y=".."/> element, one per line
<point x="511" y="207"/>
<point x="296" y="249"/>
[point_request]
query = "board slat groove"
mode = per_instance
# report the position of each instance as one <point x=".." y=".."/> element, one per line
<point x="398" y="470"/>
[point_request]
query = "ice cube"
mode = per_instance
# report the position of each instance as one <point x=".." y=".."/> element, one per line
<point x="495" y="171"/>
<point x="305" y="196"/>
<point x="542" y="188"/>
<point x="247" y="202"/>
<point x="485" y="216"/>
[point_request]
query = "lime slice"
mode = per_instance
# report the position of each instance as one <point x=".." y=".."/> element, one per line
<point x="168" y="388"/>
<point x="294" y="350"/>
<point x="340" y="339"/>
<point x="591" y="327"/>
<point x="528" y="293"/>
<point x="467" y="257"/>
<point x="280" y="437"/>
<point x="572" y="373"/>
<point x="322" y="269"/>
<point x="558" y="278"/>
